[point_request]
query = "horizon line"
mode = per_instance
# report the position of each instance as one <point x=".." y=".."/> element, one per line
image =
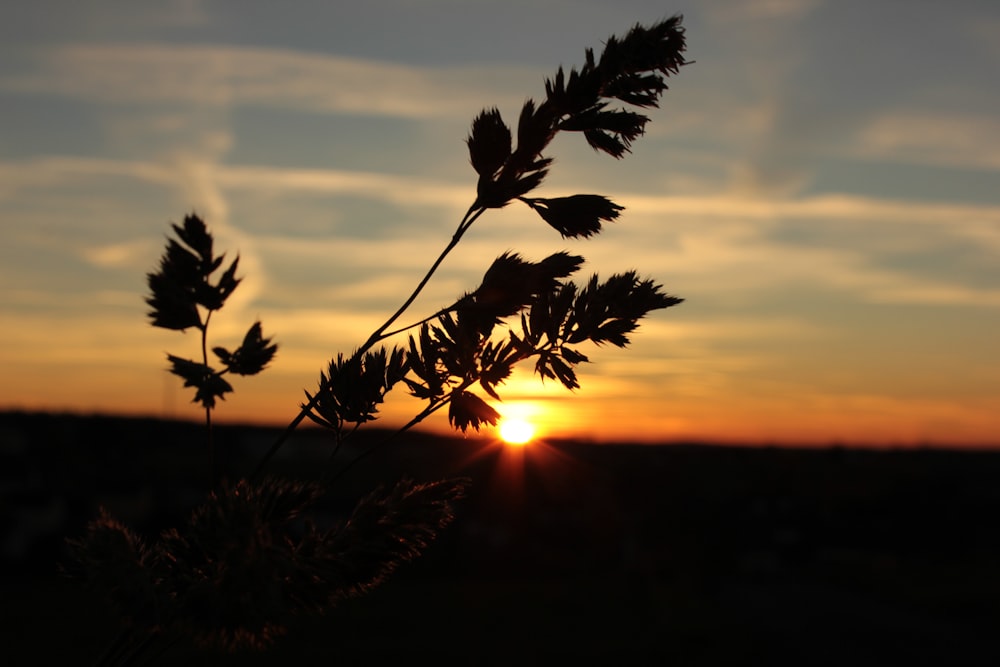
<point x="676" y="441"/>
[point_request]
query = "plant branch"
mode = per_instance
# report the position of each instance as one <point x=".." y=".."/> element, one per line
<point x="419" y="417"/>
<point x="379" y="334"/>
<point x="470" y="217"/>
<point x="429" y="318"/>
<point x="212" y="468"/>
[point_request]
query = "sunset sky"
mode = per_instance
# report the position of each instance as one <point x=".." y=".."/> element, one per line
<point x="822" y="186"/>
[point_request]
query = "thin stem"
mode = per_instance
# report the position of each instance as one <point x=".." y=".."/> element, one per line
<point x="395" y="332"/>
<point x="212" y="469"/>
<point x="116" y="647"/>
<point x="431" y="409"/>
<point x="152" y="652"/>
<point x="340" y="441"/>
<point x="126" y="649"/>
<point x="422" y="415"/>
<point x="428" y="411"/>
<point x="134" y="656"/>
<point x="379" y="334"/>
<point x="470" y="217"/>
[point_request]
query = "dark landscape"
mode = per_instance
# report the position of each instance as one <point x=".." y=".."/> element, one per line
<point x="563" y="553"/>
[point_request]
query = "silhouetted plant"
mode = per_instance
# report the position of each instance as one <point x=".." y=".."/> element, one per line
<point x="248" y="559"/>
<point x="184" y="296"/>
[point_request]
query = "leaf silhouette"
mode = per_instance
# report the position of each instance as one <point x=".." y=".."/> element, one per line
<point x="489" y="143"/>
<point x="469" y="411"/>
<point x="511" y="284"/>
<point x="252" y="356"/>
<point x="353" y="387"/>
<point x="209" y="384"/>
<point x="575" y="216"/>
<point x="182" y="283"/>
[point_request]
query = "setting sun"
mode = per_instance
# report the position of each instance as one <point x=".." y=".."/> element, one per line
<point x="516" y="431"/>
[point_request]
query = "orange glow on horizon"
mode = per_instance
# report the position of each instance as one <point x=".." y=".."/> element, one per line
<point x="814" y="418"/>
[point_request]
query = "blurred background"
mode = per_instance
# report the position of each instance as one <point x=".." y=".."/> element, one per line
<point x="597" y="554"/>
<point x="820" y="186"/>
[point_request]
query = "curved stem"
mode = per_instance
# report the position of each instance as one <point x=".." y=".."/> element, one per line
<point x="394" y="332"/>
<point x="379" y="334"/>
<point x="470" y="217"/>
<point x="340" y="441"/>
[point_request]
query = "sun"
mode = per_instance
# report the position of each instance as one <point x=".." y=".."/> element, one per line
<point x="515" y="431"/>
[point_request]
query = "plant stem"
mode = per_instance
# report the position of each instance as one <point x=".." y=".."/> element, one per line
<point x="126" y="649"/>
<point x="470" y="217"/>
<point x="422" y="415"/>
<point x="209" y="435"/>
<point x="379" y="334"/>
<point x="431" y="409"/>
<point x="429" y="318"/>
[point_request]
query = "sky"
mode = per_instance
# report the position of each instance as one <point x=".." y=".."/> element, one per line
<point x="820" y="186"/>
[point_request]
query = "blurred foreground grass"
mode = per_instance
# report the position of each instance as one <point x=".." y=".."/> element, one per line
<point x="593" y="555"/>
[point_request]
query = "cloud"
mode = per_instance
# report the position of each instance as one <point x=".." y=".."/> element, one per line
<point x="938" y="139"/>
<point x="761" y="10"/>
<point x="228" y="76"/>
<point x="897" y="290"/>
<point x="972" y="221"/>
<point x="199" y="174"/>
<point x="117" y="255"/>
<point x="74" y="334"/>
<point x="722" y="243"/>
<point x="388" y="187"/>
<point x="48" y="172"/>
<point x="876" y="250"/>
<point x="665" y="328"/>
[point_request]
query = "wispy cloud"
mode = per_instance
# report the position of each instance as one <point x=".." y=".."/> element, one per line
<point x="227" y="76"/>
<point x="47" y="172"/>
<point x="762" y="10"/>
<point x="115" y="255"/>
<point x="709" y="239"/>
<point x="940" y="139"/>
<point x="193" y="171"/>
<point x="409" y="190"/>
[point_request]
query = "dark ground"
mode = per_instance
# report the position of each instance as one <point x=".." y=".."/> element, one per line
<point x="566" y="554"/>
